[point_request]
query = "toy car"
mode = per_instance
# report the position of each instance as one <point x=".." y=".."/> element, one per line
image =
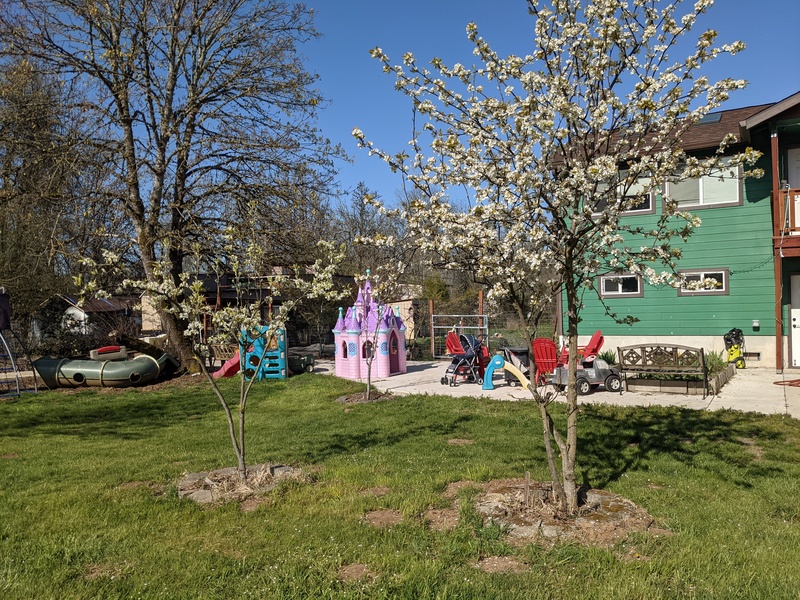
<point x="591" y="375"/>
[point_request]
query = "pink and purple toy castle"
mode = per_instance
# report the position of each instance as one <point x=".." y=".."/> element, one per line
<point x="369" y="327"/>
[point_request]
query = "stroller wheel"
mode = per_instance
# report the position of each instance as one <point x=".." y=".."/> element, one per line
<point x="512" y="383"/>
<point x="443" y="381"/>
<point x="479" y="381"/>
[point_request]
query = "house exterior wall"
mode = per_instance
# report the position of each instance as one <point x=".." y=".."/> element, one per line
<point x="151" y="322"/>
<point x="737" y="238"/>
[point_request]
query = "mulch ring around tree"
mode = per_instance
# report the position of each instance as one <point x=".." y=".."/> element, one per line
<point x="528" y="515"/>
<point x="527" y="512"/>
<point x="225" y="485"/>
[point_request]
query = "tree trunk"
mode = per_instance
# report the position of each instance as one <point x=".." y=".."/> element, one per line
<point x="179" y="345"/>
<point x="548" y="431"/>
<point x="569" y="452"/>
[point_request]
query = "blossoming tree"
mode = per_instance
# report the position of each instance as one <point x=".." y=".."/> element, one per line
<point x="554" y="147"/>
<point x="246" y="261"/>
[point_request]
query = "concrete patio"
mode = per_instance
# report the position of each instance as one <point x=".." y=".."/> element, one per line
<point x="750" y="390"/>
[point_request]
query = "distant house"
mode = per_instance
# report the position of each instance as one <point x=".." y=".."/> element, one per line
<point x="219" y="292"/>
<point x="747" y="250"/>
<point x="407" y="302"/>
<point x="84" y="317"/>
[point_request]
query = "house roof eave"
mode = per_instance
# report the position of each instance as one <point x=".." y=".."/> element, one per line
<point x="769" y="113"/>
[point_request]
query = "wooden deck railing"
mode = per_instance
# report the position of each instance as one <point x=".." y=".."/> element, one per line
<point x="789" y="211"/>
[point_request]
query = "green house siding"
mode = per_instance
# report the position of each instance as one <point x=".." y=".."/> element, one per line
<point x="737" y="238"/>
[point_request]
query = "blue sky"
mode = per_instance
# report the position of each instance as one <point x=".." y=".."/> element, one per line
<point x="362" y="96"/>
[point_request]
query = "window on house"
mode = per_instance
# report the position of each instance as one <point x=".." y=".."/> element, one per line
<point x="621" y="285"/>
<point x="645" y="204"/>
<point x="720" y="187"/>
<point x="704" y="283"/>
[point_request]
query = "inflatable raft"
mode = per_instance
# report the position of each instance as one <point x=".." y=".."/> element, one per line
<point x="68" y="372"/>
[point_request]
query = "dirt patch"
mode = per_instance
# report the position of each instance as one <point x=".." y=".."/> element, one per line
<point x="9" y="455"/>
<point x="224" y="485"/>
<point x="752" y="447"/>
<point x="356" y="572"/>
<point x="500" y="564"/>
<point x="378" y="490"/>
<point x="251" y="504"/>
<point x="383" y="518"/>
<point x="529" y="515"/>
<point x="460" y="442"/>
<point x="441" y="519"/>
<point x="361" y="397"/>
<point x="106" y="570"/>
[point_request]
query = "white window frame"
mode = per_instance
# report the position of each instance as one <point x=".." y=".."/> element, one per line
<point x="651" y="196"/>
<point x="642" y="181"/>
<point x="723" y="291"/>
<point x="707" y="180"/>
<point x="602" y="279"/>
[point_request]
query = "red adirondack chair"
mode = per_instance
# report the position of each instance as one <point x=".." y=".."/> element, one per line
<point x="587" y="352"/>
<point x="452" y="344"/>
<point x="545" y="358"/>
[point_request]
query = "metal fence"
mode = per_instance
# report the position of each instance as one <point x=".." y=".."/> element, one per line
<point x="477" y="325"/>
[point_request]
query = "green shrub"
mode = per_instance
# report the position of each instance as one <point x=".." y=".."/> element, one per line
<point x="609" y="356"/>
<point x="715" y="363"/>
<point x="419" y="349"/>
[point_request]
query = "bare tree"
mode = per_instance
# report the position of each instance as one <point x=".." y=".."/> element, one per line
<point x="53" y="190"/>
<point x="204" y="105"/>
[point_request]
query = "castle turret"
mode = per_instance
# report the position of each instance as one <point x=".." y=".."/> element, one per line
<point x="339" y="344"/>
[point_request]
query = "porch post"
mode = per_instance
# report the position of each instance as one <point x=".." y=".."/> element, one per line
<point x="776" y="253"/>
<point x="778" y="311"/>
<point x="776" y="185"/>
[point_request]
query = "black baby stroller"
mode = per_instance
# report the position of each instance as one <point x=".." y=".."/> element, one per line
<point x="467" y="353"/>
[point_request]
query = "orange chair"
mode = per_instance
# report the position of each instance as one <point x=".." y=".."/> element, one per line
<point x="587" y="352"/>
<point x="545" y="358"/>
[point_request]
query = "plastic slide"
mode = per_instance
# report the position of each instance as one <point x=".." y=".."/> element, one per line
<point x="498" y="362"/>
<point x="229" y="368"/>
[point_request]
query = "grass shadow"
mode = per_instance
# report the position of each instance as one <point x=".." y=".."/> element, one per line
<point x="615" y="440"/>
<point x="131" y="414"/>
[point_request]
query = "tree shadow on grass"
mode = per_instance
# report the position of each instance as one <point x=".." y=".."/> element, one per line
<point x="129" y="415"/>
<point x="351" y="440"/>
<point x="616" y="440"/>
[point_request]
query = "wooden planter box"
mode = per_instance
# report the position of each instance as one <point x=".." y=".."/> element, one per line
<point x="692" y="388"/>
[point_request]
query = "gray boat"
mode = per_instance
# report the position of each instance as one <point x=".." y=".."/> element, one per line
<point x="68" y="372"/>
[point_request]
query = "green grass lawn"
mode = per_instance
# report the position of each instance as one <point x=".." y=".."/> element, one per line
<point x="89" y="509"/>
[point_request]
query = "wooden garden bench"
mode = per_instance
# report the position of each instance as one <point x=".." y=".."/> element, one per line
<point x="662" y="359"/>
